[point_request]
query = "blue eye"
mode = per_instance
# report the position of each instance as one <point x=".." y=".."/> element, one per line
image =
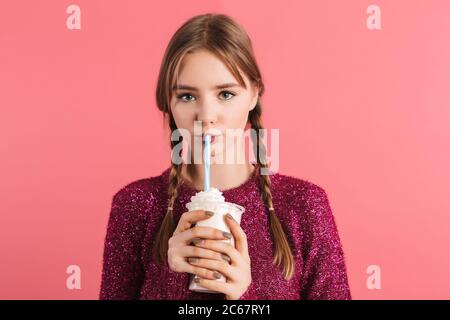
<point x="230" y="94"/>
<point x="186" y="97"/>
<point x="182" y="96"/>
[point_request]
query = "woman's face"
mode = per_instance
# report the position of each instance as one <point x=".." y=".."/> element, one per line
<point x="207" y="92"/>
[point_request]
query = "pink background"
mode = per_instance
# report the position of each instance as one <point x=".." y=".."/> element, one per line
<point x="363" y="113"/>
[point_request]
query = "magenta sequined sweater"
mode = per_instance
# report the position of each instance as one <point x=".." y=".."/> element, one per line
<point x="130" y="272"/>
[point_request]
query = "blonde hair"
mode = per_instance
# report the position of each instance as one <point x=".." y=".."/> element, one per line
<point x="222" y="36"/>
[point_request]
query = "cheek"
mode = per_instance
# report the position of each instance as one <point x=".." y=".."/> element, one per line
<point x="236" y="116"/>
<point x="184" y="117"/>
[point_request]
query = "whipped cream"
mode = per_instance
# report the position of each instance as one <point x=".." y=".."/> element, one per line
<point x="212" y="195"/>
<point x="213" y="200"/>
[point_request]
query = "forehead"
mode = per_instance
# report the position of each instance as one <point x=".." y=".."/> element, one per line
<point x="202" y="69"/>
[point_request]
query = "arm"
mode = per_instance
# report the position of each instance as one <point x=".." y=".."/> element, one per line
<point x="324" y="272"/>
<point x="123" y="273"/>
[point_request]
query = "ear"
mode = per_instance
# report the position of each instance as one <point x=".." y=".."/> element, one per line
<point x="255" y="95"/>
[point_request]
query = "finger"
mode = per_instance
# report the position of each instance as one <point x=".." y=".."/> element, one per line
<point x="239" y="235"/>
<point x="233" y="255"/>
<point x="187" y="219"/>
<point x="182" y="265"/>
<point x="218" y="286"/>
<point x="201" y="232"/>
<point x="201" y="272"/>
<point x="221" y="266"/>
<point x="193" y="251"/>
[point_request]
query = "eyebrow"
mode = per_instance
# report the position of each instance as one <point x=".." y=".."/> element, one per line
<point x="220" y="86"/>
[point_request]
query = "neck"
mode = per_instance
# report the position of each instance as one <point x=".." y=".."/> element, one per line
<point x="223" y="176"/>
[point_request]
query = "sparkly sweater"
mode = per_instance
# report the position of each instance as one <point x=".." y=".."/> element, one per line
<point x="130" y="272"/>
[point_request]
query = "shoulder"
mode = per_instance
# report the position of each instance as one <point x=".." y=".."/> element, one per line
<point x="140" y="195"/>
<point x="137" y="190"/>
<point x="134" y="209"/>
<point x="309" y="203"/>
<point x="307" y="200"/>
<point x="299" y="191"/>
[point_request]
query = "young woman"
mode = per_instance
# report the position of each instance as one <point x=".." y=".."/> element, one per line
<point x="287" y="245"/>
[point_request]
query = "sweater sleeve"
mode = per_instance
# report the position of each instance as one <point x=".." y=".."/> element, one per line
<point x="123" y="273"/>
<point x="324" y="271"/>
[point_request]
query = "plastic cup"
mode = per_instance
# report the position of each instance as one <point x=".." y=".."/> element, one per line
<point x="217" y="221"/>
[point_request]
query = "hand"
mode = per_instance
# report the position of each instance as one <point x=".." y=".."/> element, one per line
<point x="180" y="248"/>
<point x="237" y="271"/>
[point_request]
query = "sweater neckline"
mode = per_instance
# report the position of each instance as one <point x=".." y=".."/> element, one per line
<point x="190" y="189"/>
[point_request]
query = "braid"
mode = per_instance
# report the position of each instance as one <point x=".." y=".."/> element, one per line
<point x="283" y="255"/>
<point x="167" y="226"/>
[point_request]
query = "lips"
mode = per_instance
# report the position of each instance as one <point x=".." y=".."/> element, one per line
<point x="213" y="137"/>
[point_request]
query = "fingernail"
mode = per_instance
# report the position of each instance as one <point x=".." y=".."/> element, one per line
<point x="226" y="234"/>
<point x="192" y="259"/>
<point x="229" y="216"/>
<point x="198" y="241"/>
<point x="209" y="213"/>
<point x="217" y="275"/>
<point x="225" y="257"/>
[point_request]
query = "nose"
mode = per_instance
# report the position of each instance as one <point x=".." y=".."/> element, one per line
<point x="207" y="114"/>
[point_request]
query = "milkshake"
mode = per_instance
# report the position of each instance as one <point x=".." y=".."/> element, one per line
<point x="213" y="200"/>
